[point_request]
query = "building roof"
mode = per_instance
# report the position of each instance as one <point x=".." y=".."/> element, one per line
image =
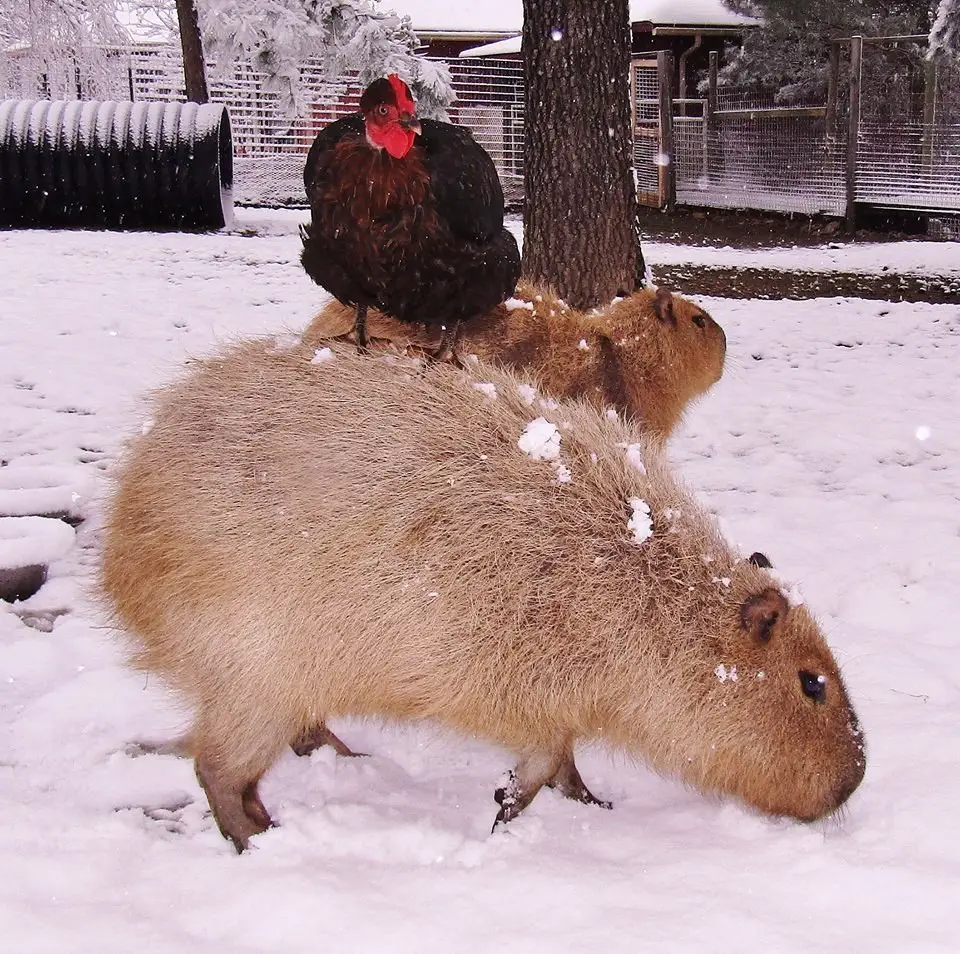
<point x="493" y="18"/>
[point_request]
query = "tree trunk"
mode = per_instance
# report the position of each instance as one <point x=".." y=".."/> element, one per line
<point x="580" y="207"/>
<point x="194" y="70"/>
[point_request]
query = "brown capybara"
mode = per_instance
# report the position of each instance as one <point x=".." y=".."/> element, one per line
<point x="295" y="540"/>
<point x="649" y="355"/>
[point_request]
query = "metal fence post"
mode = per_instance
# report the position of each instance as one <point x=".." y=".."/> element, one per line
<point x="853" y="130"/>
<point x="710" y="127"/>
<point x="929" y="114"/>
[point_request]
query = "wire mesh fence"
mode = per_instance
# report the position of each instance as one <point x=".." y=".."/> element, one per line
<point x="760" y="159"/>
<point x="270" y="147"/>
<point x="908" y="138"/>
<point x="747" y="152"/>
<point x="647" y="145"/>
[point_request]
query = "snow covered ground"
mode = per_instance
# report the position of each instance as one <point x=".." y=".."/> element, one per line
<point x="832" y="443"/>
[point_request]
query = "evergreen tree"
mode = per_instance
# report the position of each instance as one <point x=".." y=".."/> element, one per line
<point x="278" y="36"/>
<point x="945" y="33"/>
<point x="65" y="38"/>
<point x="790" y="50"/>
<point x="60" y="24"/>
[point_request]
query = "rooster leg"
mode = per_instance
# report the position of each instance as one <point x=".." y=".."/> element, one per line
<point x="447" y="349"/>
<point x="360" y="329"/>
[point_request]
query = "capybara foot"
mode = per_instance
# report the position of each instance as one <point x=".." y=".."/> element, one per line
<point x="512" y="800"/>
<point x="567" y="782"/>
<point x="533" y="771"/>
<point x="237" y="809"/>
<point x="319" y="735"/>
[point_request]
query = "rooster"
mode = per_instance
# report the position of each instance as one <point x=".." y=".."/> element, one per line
<point x="407" y="217"/>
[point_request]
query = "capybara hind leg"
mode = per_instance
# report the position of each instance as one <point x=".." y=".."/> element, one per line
<point x="319" y="735"/>
<point x="236" y="806"/>
<point x="567" y="782"/>
<point x="531" y="774"/>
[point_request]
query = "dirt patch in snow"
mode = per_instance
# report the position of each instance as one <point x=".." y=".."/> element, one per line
<point x="748" y="230"/>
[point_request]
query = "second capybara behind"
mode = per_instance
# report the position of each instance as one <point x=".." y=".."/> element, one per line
<point x="295" y="540"/>
<point x="648" y="355"/>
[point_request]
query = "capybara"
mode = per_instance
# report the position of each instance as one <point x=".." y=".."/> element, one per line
<point x="298" y="539"/>
<point x="649" y="355"/>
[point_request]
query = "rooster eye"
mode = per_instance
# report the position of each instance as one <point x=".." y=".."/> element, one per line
<point x="382" y="110"/>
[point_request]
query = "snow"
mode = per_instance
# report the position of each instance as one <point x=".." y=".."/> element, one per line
<point x="26" y="490"/>
<point x="540" y="439"/>
<point x="491" y="17"/>
<point x="528" y="393"/>
<point x="27" y="541"/>
<point x="723" y="673"/>
<point x="634" y="454"/>
<point x="809" y="449"/>
<point x="639" y="525"/>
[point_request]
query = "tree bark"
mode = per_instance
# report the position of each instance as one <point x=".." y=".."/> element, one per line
<point x="580" y="207"/>
<point x="194" y="69"/>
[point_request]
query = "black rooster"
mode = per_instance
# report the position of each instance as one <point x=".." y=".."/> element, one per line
<point x="406" y="216"/>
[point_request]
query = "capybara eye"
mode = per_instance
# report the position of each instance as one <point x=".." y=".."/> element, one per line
<point x="700" y="321"/>
<point x="814" y="686"/>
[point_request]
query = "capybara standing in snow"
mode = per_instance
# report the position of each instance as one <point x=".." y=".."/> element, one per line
<point x="648" y="355"/>
<point x="362" y="535"/>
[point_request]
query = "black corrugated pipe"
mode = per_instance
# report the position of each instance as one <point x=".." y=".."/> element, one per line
<point x="115" y="165"/>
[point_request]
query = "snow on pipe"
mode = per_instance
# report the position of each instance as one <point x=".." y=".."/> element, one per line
<point x="117" y="165"/>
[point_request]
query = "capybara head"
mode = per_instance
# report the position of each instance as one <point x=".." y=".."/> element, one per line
<point x="668" y="351"/>
<point x="774" y="725"/>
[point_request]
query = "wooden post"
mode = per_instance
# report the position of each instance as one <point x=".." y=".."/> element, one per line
<point x="853" y="130"/>
<point x="833" y="82"/>
<point x="666" y="161"/>
<point x="929" y="114"/>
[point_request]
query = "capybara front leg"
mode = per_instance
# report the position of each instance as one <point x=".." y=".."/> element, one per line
<point x="567" y="782"/>
<point x="319" y="735"/>
<point x="236" y="807"/>
<point x="523" y="783"/>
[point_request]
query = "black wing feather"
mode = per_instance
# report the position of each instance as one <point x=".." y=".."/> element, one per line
<point x="463" y="179"/>
<point x="324" y="144"/>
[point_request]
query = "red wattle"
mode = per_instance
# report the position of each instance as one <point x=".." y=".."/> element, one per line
<point x="398" y="141"/>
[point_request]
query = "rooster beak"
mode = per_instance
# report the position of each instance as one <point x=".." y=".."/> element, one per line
<point x="411" y="123"/>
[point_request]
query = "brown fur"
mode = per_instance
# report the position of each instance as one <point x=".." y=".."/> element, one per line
<point x="645" y="355"/>
<point x="363" y="536"/>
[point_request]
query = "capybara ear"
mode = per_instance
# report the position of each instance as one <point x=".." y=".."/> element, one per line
<point x="663" y="306"/>
<point x="761" y="612"/>
<point x="760" y="559"/>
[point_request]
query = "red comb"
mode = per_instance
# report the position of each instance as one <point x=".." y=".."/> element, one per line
<point x="402" y="92"/>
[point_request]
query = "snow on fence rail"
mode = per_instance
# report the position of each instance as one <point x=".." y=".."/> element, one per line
<point x="733" y="148"/>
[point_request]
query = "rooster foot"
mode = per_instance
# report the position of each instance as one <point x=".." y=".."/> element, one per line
<point x="368" y="347"/>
